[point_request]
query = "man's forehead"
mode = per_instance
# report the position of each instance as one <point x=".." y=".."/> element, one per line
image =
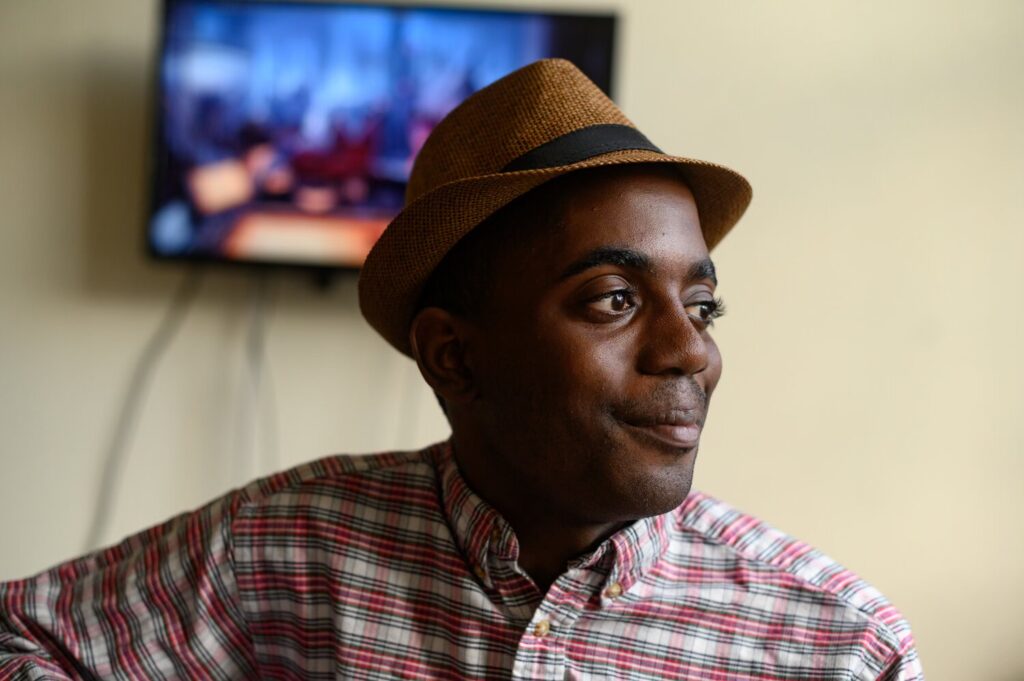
<point x="618" y="182"/>
<point x="641" y="218"/>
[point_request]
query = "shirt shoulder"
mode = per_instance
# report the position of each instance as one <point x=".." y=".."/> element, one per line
<point x="802" y="570"/>
<point x="340" y="513"/>
<point x="343" y="471"/>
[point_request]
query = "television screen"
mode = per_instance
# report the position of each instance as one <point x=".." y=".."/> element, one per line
<point x="286" y="131"/>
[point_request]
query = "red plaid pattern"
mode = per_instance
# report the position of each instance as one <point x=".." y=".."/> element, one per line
<point x="389" y="566"/>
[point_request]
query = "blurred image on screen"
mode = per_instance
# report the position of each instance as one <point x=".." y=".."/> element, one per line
<point x="286" y="132"/>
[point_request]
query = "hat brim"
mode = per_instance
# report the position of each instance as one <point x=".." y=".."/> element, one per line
<point x="421" y="235"/>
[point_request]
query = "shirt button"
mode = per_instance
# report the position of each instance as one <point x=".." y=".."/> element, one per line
<point x="478" y="570"/>
<point x="614" y="590"/>
<point x="541" y="629"/>
<point x="495" y="536"/>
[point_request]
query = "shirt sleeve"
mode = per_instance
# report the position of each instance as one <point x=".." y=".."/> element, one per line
<point x="162" y="604"/>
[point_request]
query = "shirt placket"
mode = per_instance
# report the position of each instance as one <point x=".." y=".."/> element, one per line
<point x="542" y="647"/>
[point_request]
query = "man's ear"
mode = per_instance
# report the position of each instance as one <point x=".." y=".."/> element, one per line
<point x="438" y="340"/>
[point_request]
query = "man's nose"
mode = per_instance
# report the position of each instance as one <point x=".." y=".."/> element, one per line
<point x="672" y="343"/>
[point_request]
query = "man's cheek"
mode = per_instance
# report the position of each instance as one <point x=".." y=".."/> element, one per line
<point x="713" y="373"/>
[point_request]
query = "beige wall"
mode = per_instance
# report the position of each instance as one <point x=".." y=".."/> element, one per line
<point x="873" y="366"/>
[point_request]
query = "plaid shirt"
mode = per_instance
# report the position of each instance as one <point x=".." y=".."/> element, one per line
<point x="389" y="566"/>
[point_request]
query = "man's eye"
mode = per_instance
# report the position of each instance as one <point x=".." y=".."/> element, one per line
<point x="705" y="312"/>
<point x="615" y="302"/>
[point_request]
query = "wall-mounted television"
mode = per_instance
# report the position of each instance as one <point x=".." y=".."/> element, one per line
<point x="286" y="131"/>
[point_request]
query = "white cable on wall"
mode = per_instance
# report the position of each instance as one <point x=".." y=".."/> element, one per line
<point x="134" y="400"/>
<point x="268" y="414"/>
<point x="258" y="438"/>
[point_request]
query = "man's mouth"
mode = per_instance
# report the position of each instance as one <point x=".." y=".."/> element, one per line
<point x="679" y="428"/>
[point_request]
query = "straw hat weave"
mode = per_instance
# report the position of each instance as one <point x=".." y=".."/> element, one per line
<point x="533" y="125"/>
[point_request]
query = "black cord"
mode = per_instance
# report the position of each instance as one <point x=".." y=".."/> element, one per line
<point x="134" y="400"/>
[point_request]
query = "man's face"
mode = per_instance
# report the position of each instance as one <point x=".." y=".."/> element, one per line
<point x="593" y="361"/>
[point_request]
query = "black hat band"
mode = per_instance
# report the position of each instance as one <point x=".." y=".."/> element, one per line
<point x="579" y="145"/>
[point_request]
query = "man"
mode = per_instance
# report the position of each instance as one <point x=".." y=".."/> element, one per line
<point x="550" y="276"/>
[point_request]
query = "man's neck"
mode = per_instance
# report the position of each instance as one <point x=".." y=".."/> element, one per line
<point x="548" y="539"/>
<point x="546" y="547"/>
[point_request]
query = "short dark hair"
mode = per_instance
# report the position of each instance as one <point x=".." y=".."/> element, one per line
<point x="463" y="282"/>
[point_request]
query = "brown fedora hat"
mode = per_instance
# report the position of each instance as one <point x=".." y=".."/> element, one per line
<point x="533" y="125"/>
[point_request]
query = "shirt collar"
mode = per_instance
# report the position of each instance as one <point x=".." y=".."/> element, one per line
<point x="478" y="528"/>
<point x="637" y="549"/>
<point x="480" y="531"/>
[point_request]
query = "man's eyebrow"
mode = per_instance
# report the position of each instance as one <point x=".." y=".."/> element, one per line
<point x="627" y="257"/>
<point x="608" y="255"/>
<point x="703" y="269"/>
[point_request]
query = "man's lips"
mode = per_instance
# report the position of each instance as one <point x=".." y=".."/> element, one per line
<point x="678" y="428"/>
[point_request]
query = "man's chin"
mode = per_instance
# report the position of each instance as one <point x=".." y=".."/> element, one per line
<point x="659" y="481"/>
